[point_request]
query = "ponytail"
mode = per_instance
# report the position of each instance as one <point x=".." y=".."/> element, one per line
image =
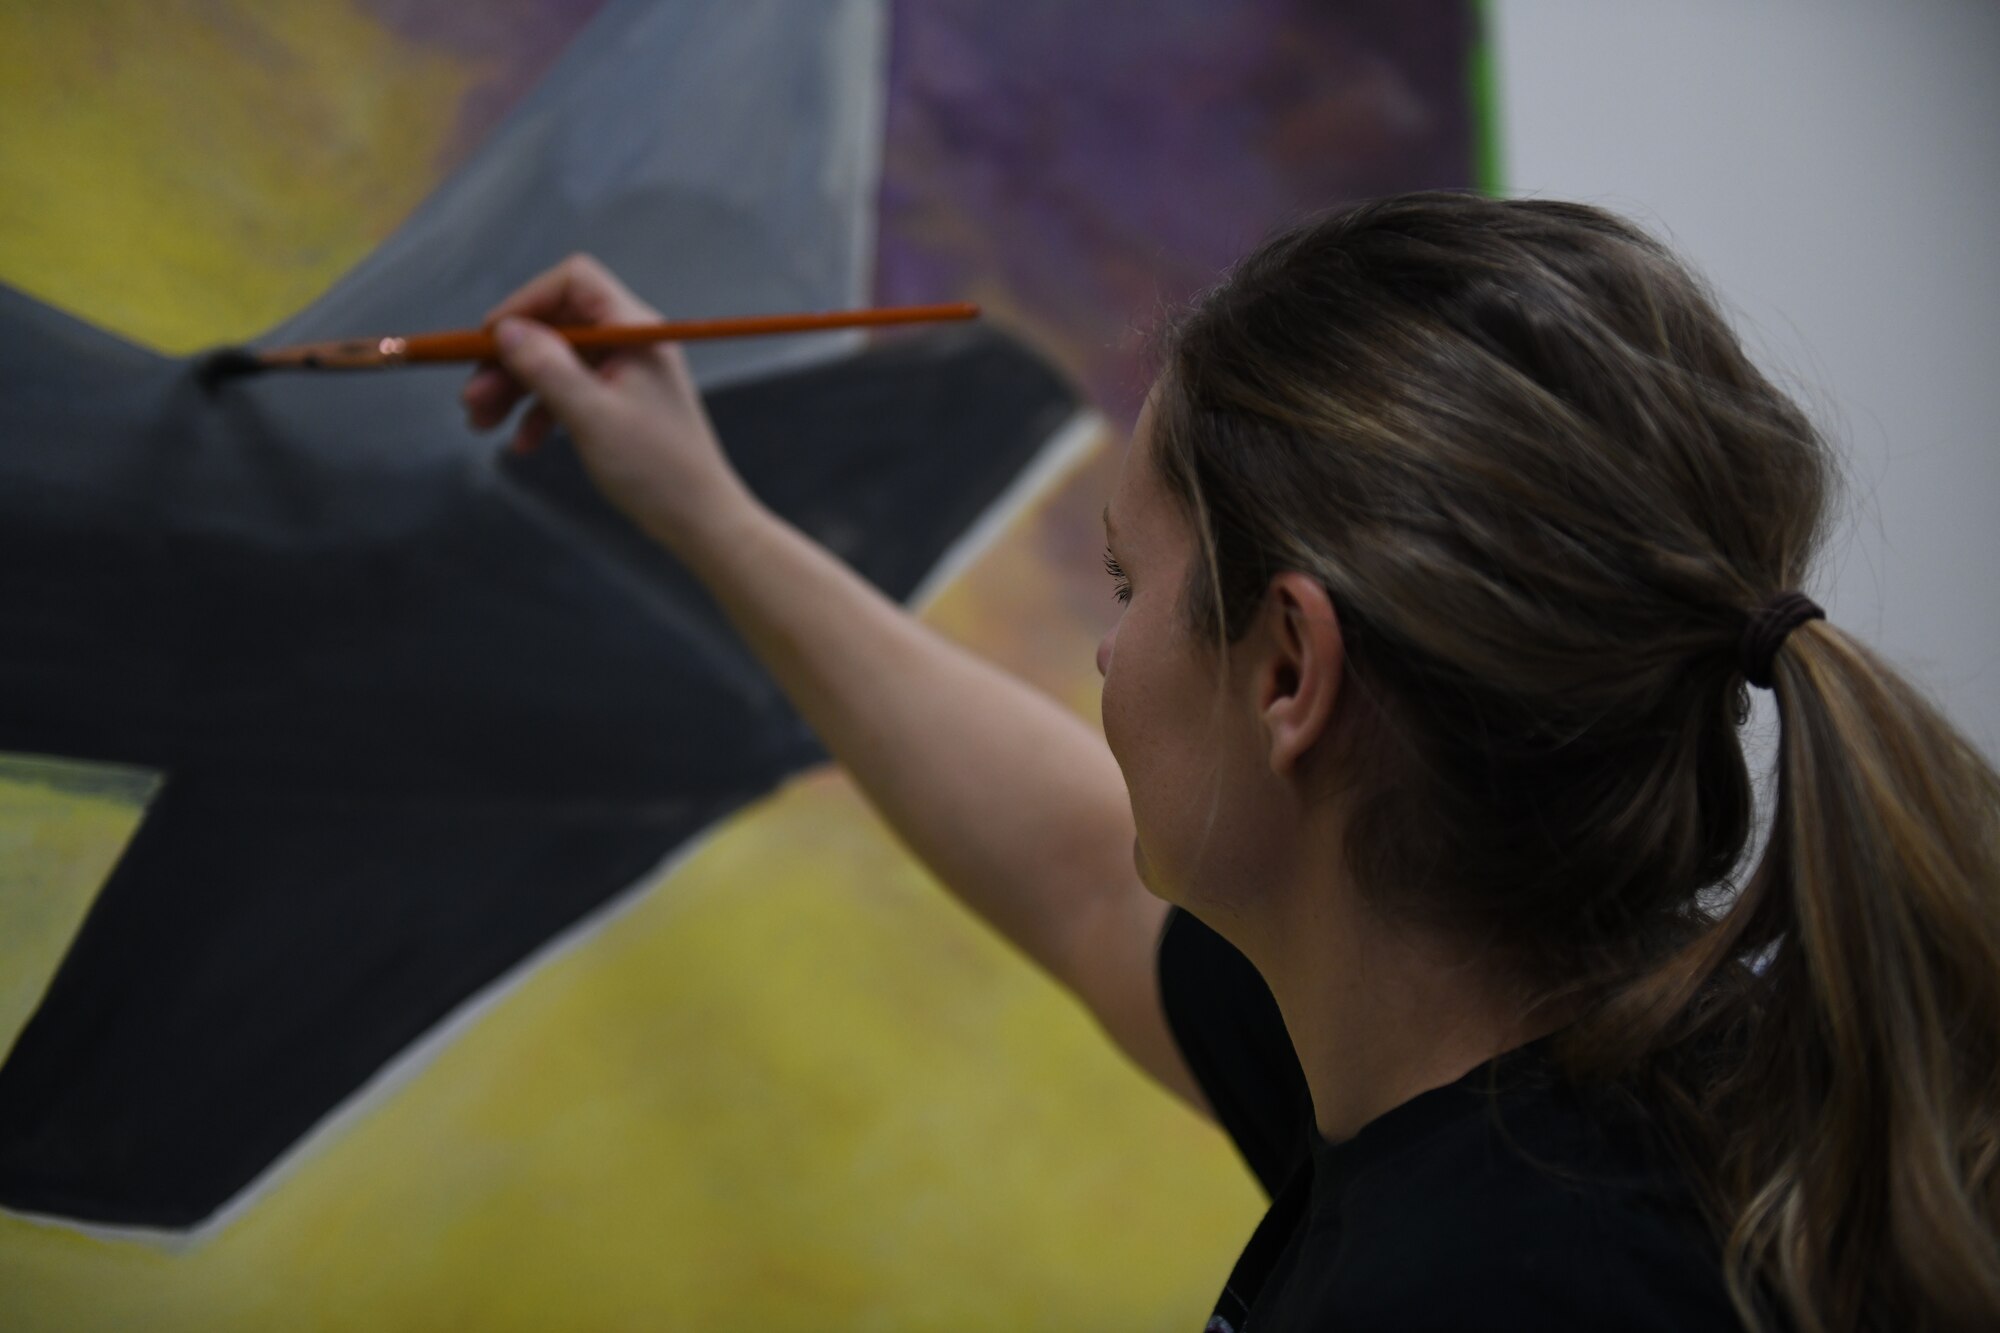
<point x="1867" y="1165"/>
<point x="1847" y="1136"/>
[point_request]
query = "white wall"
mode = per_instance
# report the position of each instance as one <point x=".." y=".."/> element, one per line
<point x="1834" y="167"/>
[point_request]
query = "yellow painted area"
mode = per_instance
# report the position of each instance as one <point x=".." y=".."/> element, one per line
<point x="795" y="1087"/>
<point x="186" y="172"/>
<point x="62" y="827"/>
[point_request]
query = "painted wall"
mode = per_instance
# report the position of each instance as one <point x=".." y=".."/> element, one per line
<point x="784" y="1082"/>
<point x="1831" y="166"/>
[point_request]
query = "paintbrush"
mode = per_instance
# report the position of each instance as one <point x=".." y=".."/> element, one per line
<point x="477" y="344"/>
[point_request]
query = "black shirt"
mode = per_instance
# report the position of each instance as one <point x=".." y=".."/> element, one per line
<point x="1506" y="1200"/>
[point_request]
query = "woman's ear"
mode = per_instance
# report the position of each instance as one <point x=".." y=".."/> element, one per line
<point x="1298" y="668"/>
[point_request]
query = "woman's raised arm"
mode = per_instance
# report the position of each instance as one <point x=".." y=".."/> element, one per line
<point x="1013" y="802"/>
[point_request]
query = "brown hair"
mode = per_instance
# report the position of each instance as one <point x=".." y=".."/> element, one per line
<point x="1545" y="489"/>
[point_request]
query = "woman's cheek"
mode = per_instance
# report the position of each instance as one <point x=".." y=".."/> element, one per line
<point x="1111" y="705"/>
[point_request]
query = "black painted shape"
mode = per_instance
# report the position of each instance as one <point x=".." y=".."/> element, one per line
<point x="411" y="729"/>
<point x="258" y="956"/>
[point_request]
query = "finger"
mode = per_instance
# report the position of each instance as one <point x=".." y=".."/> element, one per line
<point x="548" y="367"/>
<point x="577" y="291"/>
<point x="533" y="430"/>
<point x="489" y="395"/>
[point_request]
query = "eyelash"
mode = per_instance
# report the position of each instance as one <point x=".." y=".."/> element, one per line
<point x="1123" y="592"/>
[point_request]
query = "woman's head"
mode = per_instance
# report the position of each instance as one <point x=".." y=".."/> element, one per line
<point x="1542" y="486"/>
<point x="1516" y="454"/>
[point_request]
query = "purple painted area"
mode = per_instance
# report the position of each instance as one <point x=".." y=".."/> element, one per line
<point x="1079" y="167"/>
<point x="1076" y="166"/>
<point x="514" y="41"/>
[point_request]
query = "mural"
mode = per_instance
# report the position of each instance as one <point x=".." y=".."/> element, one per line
<point x="414" y="907"/>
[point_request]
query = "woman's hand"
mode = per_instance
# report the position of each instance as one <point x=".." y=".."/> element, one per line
<point x="634" y="414"/>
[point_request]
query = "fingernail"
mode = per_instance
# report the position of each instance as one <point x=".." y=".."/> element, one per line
<point x="508" y="333"/>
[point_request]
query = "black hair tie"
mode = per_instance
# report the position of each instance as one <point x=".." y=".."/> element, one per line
<point x="1767" y="627"/>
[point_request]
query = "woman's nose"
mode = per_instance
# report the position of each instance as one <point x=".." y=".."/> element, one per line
<point x="1104" y="651"/>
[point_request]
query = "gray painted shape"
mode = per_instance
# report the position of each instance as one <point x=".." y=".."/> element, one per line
<point x="727" y="152"/>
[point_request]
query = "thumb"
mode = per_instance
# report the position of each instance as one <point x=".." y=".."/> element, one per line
<point x="549" y="367"/>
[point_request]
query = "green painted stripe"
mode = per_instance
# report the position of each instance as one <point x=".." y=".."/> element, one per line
<point x="1484" y="99"/>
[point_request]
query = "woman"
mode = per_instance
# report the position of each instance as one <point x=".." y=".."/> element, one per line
<point x="1449" y="538"/>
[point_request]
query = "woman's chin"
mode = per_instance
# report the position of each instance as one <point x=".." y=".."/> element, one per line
<point x="1144" y="869"/>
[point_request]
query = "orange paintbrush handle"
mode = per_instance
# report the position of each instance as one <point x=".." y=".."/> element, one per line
<point x="477" y="345"/>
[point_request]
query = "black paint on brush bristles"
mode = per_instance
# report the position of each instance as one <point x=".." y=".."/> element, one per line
<point x="225" y="364"/>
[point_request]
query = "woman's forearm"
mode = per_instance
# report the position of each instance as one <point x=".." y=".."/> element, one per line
<point x="1013" y="802"/>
